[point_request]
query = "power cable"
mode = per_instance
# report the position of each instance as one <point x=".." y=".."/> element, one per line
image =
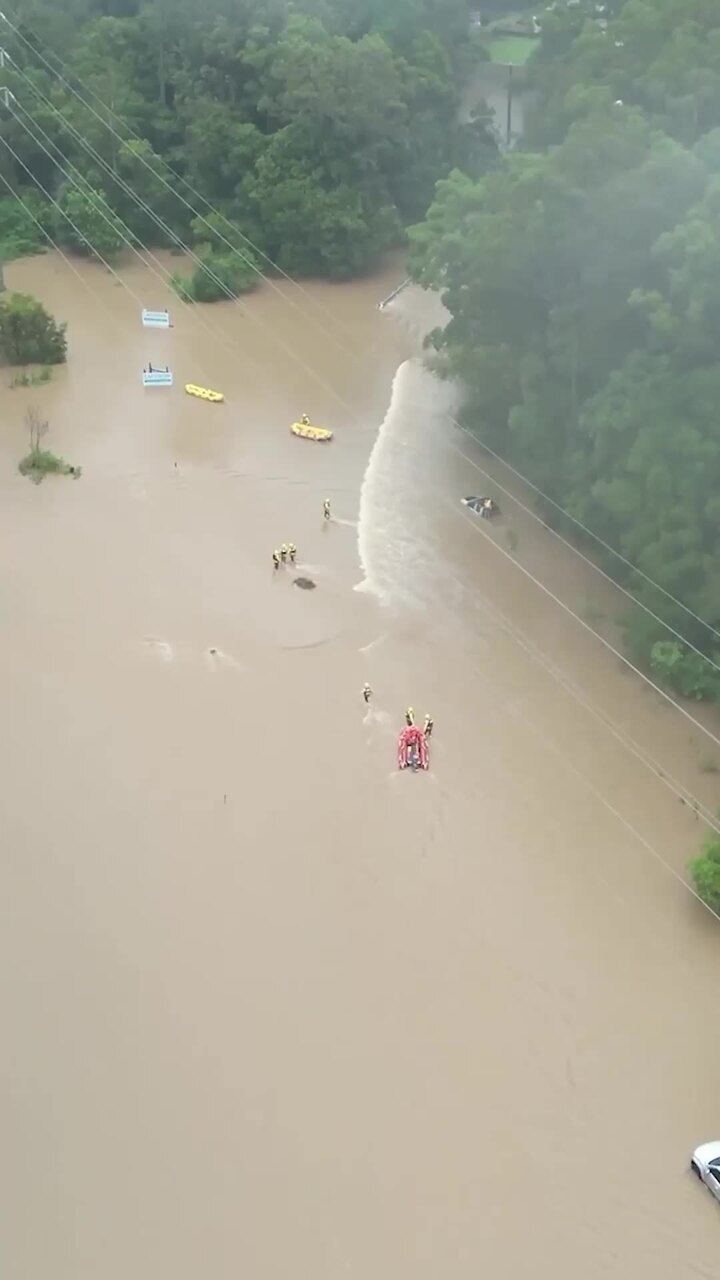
<point x="114" y="222"/>
<point x="68" y="219"/>
<point x="56" y="247"/>
<point x="586" y="626"/>
<point x="589" y="532"/>
<point x="561" y="603"/>
<point x="547" y="741"/>
<point x="510" y="629"/>
<point x="168" y="231"/>
<point x="146" y="257"/>
<point x="540" y="658"/>
<point x="330" y="332"/>
<point x="579" y="524"/>
<point x="534" y="515"/>
<point x="557" y="600"/>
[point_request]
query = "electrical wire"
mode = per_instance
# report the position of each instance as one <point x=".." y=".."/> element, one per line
<point x="586" y="626"/>
<point x="330" y="332"/>
<point x="540" y="658"/>
<point x="577" y="618"/>
<point x="548" y="743"/>
<point x="534" y="516"/>
<point x="168" y="231"/>
<point x="68" y="219"/>
<point x="159" y="272"/>
<point x="590" y="534"/>
<point x="143" y="253"/>
<point x="532" y="650"/>
<point x="64" y="257"/>
<point x="578" y="523"/>
<point x="557" y="600"/>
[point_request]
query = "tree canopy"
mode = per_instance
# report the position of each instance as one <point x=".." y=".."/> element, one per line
<point x="318" y="127"/>
<point x="582" y="274"/>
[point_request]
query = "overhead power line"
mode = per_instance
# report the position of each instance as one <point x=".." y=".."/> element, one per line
<point x="132" y="241"/>
<point x="33" y="49"/>
<point x="309" y="300"/>
<point x="589" y="533"/>
<point x="508" y="708"/>
<point x="627" y="742"/>
<point x="561" y="603"/>
<point x="477" y="526"/>
<point x="108" y="217"/>
<point x="576" y="550"/>
<point x="168" y="231"/>
<point x="567" y="609"/>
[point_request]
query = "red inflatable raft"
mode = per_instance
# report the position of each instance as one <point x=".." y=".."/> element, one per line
<point x="413" y="749"/>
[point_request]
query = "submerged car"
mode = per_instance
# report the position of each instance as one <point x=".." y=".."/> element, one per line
<point x="705" y="1164"/>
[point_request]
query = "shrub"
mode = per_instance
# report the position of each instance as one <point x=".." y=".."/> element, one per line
<point x="36" y="379"/>
<point x="41" y="462"/>
<point x="705" y="872"/>
<point x="19" y="234"/>
<point x="230" y="276"/>
<point x="28" y="333"/>
<point x="687" y="672"/>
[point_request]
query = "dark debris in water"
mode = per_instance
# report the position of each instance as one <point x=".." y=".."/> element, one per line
<point x="306" y="584"/>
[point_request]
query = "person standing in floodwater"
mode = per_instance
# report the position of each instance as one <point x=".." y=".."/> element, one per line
<point x="367" y="692"/>
<point x="326" y="509"/>
<point x="276" y="559"/>
<point x="428" y="726"/>
<point x="292" y="552"/>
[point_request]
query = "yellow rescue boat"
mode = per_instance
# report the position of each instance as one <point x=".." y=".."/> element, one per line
<point x="203" y="393"/>
<point x="308" y="432"/>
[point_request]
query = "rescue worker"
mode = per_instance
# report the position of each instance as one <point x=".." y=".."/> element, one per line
<point x="292" y="552"/>
<point x="428" y="726"/>
<point x="305" y="420"/>
<point x="367" y="692"/>
<point x="409" y="717"/>
<point x="276" y="559"/>
<point x="326" y="508"/>
<point x="284" y="552"/>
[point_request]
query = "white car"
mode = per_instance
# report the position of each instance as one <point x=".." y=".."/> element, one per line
<point x="705" y="1164"/>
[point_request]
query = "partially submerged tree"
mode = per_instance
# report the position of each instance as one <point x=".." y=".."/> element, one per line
<point x="28" y="333"/>
<point x="87" y="224"/>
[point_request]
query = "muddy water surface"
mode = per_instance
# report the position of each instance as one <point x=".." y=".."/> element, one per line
<point x="269" y="1007"/>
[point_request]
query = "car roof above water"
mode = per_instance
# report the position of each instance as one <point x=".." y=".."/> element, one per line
<point x="708" y="1151"/>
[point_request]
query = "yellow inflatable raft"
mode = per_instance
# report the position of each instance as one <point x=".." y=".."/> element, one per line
<point x="308" y="432"/>
<point x="203" y="393"/>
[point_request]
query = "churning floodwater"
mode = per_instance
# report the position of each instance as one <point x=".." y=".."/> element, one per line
<point x="398" y="557"/>
<point x="270" y="1007"/>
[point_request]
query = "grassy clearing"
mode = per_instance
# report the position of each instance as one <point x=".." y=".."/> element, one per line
<point x="512" y="50"/>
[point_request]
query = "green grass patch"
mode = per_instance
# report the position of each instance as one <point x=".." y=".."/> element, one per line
<point x="41" y="462"/>
<point x="512" y="50"/>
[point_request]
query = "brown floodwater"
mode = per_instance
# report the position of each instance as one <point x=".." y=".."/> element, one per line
<point x="269" y="1007"/>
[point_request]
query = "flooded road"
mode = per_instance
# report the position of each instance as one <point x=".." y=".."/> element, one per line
<point x="270" y="1007"/>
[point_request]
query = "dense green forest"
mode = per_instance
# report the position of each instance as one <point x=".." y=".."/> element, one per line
<point x="582" y="272"/>
<point x="320" y="127"/>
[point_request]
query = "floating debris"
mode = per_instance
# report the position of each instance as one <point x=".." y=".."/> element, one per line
<point x="306" y="584"/>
